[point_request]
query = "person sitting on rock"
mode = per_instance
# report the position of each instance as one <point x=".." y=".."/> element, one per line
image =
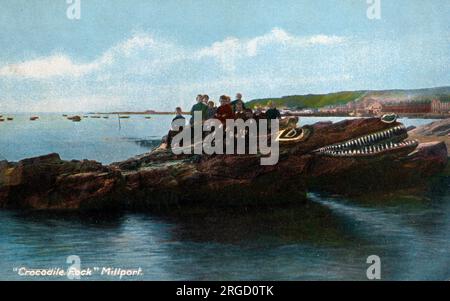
<point x="205" y="99"/>
<point x="244" y="114"/>
<point x="272" y="112"/>
<point x="225" y="110"/>
<point x="238" y="99"/>
<point x="259" y="114"/>
<point x="241" y="112"/>
<point x="211" y="110"/>
<point x="199" y="107"/>
<point x="179" y="114"/>
<point x="172" y="132"/>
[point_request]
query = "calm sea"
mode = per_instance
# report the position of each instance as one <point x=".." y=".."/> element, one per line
<point x="329" y="238"/>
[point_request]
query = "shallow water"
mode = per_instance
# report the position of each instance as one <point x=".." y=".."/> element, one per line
<point x="328" y="238"/>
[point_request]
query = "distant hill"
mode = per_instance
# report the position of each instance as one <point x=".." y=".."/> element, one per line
<point x="322" y="100"/>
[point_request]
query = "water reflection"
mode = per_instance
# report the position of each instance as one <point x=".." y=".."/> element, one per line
<point x="328" y="238"/>
<point x="309" y="223"/>
<point x="148" y="144"/>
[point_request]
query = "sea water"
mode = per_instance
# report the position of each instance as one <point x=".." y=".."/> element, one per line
<point x="328" y="238"/>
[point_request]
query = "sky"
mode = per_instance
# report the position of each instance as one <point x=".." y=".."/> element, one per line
<point x="153" y="54"/>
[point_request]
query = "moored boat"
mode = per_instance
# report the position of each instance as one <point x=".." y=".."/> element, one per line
<point x="75" y="118"/>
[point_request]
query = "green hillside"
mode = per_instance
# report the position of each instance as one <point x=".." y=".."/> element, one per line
<point x="322" y="100"/>
<point x="310" y="100"/>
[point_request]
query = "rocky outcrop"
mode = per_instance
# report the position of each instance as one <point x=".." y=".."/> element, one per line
<point x="437" y="128"/>
<point x="435" y="131"/>
<point x="162" y="179"/>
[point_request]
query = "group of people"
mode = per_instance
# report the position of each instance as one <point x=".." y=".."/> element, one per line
<point x="228" y="109"/>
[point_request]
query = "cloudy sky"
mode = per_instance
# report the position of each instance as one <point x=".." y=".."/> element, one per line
<point x="151" y="54"/>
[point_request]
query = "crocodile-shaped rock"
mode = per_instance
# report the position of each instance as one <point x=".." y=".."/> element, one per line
<point x="350" y="156"/>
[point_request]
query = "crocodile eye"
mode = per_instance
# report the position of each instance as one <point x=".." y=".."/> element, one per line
<point x="294" y="134"/>
<point x="389" y="118"/>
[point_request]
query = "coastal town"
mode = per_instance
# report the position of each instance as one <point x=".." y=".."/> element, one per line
<point x="375" y="107"/>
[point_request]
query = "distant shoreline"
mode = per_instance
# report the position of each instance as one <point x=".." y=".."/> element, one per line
<point x="405" y="115"/>
<point x="299" y="114"/>
<point x="134" y="113"/>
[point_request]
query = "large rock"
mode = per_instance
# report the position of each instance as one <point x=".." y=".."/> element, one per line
<point x="320" y="159"/>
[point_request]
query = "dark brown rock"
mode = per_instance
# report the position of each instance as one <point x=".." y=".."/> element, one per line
<point x="162" y="179"/>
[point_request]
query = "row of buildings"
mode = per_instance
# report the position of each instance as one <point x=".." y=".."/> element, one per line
<point x="375" y="107"/>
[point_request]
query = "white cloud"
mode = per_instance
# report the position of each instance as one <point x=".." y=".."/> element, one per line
<point x="231" y="49"/>
<point x="53" y="66"/>
<point x="143" y="52"/>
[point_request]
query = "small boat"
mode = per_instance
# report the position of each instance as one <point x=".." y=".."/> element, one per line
<point x="1" y="119"/>
<point x="64" y="115"/>
<point x="124" y="117"/>
<point x="9" y="118"/>
<point x="33" y="118"/>
<point x="75" y="118"/>
<point x="148" y="117"/>
<point x="106" y="117"/>
<point x="95" y="117"/>
<point x="85" y="116"/>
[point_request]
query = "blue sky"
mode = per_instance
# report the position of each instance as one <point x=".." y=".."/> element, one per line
<point x="136" y="54"/>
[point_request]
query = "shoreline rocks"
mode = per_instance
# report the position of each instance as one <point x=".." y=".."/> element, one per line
<point x="161" y="179"/>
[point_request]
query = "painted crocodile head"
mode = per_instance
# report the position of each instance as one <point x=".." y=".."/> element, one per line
<point x="385" y="141"/>
<point x="360" y="154"/>
<point x="362" y="138"/>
